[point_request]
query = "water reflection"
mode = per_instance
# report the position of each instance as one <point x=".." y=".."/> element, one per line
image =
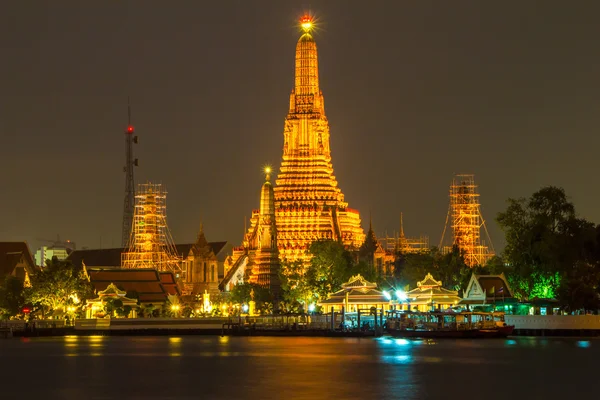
<point x="175" y="346"/>
<point x="294" y="368"/>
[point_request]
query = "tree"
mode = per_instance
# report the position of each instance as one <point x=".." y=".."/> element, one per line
<point x="12" y="298"/>
<point x="330" y="266"/>
<point x="549" y="251"/>
<point x="367" y="250"/>
<point x="451" y="269"/>
<point x="295" y="286"/>
<point x="245" y="292"/>
<point x="58" y="284"/>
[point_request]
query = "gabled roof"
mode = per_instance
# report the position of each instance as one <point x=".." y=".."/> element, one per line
<point x="112" y="289"/>
<point x="429" y="282"/>
<point x="150" y="285"/>
<point x="486" y="287"/>
<point x="11" y="254"/>
<point x="112" y="257"/>
<point x="357" y="281"/>
<point x="239" y="263"/>
<point x="495" y="285"/>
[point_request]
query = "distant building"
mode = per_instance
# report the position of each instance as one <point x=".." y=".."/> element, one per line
<point x="16" y="260"/>
<point x="48" y="253"/>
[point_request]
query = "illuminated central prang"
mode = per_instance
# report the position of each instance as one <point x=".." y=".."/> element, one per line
<point x="309" y="205"/>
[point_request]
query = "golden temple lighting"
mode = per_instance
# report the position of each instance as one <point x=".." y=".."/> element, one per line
<point x="309" y="205"/>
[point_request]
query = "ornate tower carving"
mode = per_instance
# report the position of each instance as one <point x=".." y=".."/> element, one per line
<point x="309" y="205"/>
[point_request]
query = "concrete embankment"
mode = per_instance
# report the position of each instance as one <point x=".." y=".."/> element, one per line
<point x="555" y="325"/>
<point x="525" y="325"/>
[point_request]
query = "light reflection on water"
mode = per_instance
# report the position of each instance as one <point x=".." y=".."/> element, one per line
<point x="305" y="368"/>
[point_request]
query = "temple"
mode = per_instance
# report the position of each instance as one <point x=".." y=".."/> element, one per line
<point x="309" y="205"/>
<point x="429" y="295"/>
<point x="257" y="260"/>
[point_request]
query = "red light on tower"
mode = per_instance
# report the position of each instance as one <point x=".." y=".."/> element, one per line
<point x="130" y="129"/>
<point x="26" y="310"/>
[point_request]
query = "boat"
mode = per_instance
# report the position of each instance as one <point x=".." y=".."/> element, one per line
<point x="448" y="324"/>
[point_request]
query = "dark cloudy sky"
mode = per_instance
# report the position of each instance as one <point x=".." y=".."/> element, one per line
<point x="414" y="92"/>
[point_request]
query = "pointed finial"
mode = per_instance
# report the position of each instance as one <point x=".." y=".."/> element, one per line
<point x="401" y="226"/>
<point x="306" y="23"/>
<point x="267" y="173"/>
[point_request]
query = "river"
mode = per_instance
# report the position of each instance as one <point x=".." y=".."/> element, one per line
<point x="212" y="367"/>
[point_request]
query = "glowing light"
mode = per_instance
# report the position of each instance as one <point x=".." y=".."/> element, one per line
<point x="130" y="129"/>
<point x="306" y="22"/>
<point x="311" y="308"/>
<point x="245" y="308"/>
<point x="583" y="343"/>
<point x="401" y="295"/>
<point x="387" y="295"/>
<point x="267" y="170"/>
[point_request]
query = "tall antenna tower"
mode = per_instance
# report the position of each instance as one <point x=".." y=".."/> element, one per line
<point x="151" y="244"/>
<point x="130" y="164"/>
<point x="464" y="216"/>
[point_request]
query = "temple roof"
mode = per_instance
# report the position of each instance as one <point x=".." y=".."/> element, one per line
<point x="11" y="254"/>
<point x="150" y="284"/>
<point x="494" y="285"/>
<point x="357" y="281"/>
<point x="112" y="289"/>
<point x="429" y="282"/>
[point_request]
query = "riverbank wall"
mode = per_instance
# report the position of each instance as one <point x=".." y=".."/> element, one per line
<point x="555" y="325"/>
<point x="525" y="325"/>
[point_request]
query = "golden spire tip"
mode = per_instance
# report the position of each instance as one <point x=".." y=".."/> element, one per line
<point x="306" y="22"/>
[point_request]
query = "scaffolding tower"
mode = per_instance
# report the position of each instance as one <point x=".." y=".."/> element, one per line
<point x="151" y="244"/>
<point x="464" y="216"/>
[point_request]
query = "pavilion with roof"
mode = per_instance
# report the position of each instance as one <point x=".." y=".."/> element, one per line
<point x="356" y="294"/>
<point x="489" y="292"/>
<point x="96" y="306"/>
<point x="430" y="295"/>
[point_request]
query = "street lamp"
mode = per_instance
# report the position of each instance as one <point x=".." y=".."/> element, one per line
<point x="245" y="308"/>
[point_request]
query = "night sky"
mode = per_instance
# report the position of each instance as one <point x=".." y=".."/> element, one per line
<point x="414" y="92"/>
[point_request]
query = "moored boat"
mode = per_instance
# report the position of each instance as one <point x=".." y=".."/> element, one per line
<point x="447" y="325"/>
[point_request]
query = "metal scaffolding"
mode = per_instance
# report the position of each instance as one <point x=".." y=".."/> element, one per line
<point x="151" y="244"/>
<point x="464" y="216"/>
